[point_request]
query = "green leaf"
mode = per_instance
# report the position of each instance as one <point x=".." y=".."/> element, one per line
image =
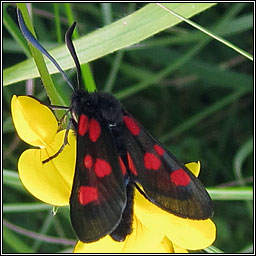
<point x="127" y="31"/>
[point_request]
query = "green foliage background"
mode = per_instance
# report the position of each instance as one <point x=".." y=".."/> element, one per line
<point x="192" y="92"/>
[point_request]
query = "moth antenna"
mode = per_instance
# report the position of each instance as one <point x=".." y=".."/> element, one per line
<point x="71" y="48"/>
<point x="29" y="37"/>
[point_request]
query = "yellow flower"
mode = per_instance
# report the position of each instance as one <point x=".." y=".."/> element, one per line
<point x="35" y="124"/>
<point x="154" y="230"/>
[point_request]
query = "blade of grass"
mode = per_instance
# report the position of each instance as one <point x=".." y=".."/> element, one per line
<point x="44" y="74"/>
<point x="10" y="177"/>
<point x="213" y="249"/>
<point x="116" y="64"/>
<point x="57" y="23"/>
<point x="85" y="68"/>
<point x="129" y="30"/>
<point x="46" y="225"/>
<point x="107" y="15"/>
<point x="16" y="243"/>
<point x="166" y="71"/>
<point x="189" y="123"/>
<point x="114" y="71"/>
<point x="12" y="180"/>
<point x="184" y="59"/>
<point x="245" y="150"/>
<point x="231" y="193"/>
<point x="25" y="207"/>
<point x="15" y="32"/>
<point x="248" y="249"/>
<point x="213" y="35"/>
<point x="235" y="26"/>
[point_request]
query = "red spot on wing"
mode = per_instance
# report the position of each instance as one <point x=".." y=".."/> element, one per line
<point x="180" y="177"/>
<point x="88" y="161"/>
<point x="131" y="165"/>
<point x="122" y="165"/>
<point x="94" y="130"/>
<point x="151" y="161"/>
<point x="131" y="125"/>
<point x="83" y="125"/>
<point x="102" y="168"/>
<point x="159" y="150"/>
<point x="87" y="194"/>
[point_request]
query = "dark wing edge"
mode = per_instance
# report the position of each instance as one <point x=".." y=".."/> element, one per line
<point x="166" y="182"/>
<point x="99" y="214"/>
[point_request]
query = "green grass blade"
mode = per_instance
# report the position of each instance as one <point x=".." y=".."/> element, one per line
<point x="25" y="207"/>
<point x="127" y="31"/>
<point x="15" y="32"/>
<point x="245" y="150"/>
<point x="85" y="68"/>
<point x="231" y="193"/>
<point x="213" y="35"/>
<point x="37" y="55"/>
<point x="15" y="242"/>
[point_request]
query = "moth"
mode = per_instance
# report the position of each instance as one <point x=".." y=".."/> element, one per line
<point x="116" y="155"/>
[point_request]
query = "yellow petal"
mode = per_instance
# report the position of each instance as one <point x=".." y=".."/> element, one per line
<point x="144" y="240"/>
<point x="34" y="122"/>
<point x="194" y="167"/>
<point x="141" y="240"/>
<point x="104" y="245"/>
<point x="167" y="244"/>
<point x="178" y="249"/>
<point x="50" y="182"/>
<point x="189" y="234"/>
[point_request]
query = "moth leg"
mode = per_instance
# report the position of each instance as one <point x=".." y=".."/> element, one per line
<point x="54" y="107"/>
<point x="65" y="142"/>
<point x="61" y="120"/>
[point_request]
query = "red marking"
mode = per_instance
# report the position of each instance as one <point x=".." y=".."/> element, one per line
<point x="131" y="125"/>
<point x="180" y="177"/>
<point x="151" y="161"/>
<point x="94" y="130"/>
<point x="102" y="168"/>
<point x="83" y="125"/>
<point x="131" y="165"/>
<point x="159" y="150"/>
<point x="87" y="194"/>
<point x="88" y="161"/>
<point x="122" y="166"/>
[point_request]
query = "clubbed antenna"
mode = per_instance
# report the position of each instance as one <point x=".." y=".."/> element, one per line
<point x="72" y="51"/>
<point x="26" y="33"/>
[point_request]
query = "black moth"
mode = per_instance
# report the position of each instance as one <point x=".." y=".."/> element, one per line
<point x="114" y="154"/>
